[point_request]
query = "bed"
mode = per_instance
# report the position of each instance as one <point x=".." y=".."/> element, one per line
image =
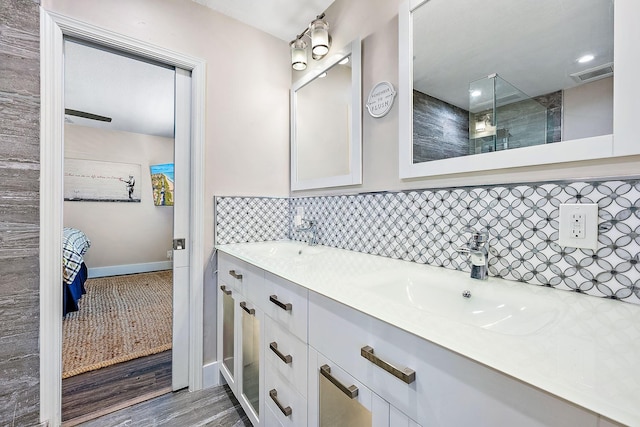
<point x="74" y="271"/>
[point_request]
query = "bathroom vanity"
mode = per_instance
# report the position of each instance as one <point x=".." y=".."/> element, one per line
<point x="311" y="333"/>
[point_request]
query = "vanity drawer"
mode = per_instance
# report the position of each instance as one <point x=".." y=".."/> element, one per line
<point x="287" y="304"/>
<point x="240" y="276"/>
<point x="448" y="389"/>
<point x="286" y="354"/>
<point x="290" y="401"/>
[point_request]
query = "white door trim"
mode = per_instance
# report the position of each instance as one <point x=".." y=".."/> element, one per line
<point x="52" y="29"/>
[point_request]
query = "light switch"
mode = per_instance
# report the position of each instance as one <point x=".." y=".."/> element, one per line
<point x="578" y="226"/>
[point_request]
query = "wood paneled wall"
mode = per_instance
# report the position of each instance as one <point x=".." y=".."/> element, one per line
<point x="19" y="212"/>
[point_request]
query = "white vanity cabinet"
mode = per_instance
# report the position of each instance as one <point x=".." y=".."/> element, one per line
<point x="310" y="350"/>
<point x="241" y="333"/>
<point x="447" y="390"/>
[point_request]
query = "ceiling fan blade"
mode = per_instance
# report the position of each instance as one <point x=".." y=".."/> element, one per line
<point x="86" y="115"/>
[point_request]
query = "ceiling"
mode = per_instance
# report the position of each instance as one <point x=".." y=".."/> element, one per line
<point x="139" y="96"/>
<point x="534" y="45"/>
<point x="283" y="19"/>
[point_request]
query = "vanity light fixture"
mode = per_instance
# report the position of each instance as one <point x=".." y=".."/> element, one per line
<point x="318" y="32"/>
<point x="319" y="29"/>
<point x="586" y="58"/>
<point x="298" y="54"/>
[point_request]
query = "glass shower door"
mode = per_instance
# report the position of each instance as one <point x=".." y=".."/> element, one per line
<point x="502" y="117"/>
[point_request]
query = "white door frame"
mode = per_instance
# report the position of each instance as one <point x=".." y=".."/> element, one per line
<point x="52" y="29"/>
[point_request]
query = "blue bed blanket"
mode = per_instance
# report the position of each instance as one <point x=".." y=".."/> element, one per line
<point x="74" y="271"/>
<point x="74" y="245"/>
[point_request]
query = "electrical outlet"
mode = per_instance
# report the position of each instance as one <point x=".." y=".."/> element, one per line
<point x="300" y="211"/>
<point x="578" y="226"/>
<point x="169" y="254"/>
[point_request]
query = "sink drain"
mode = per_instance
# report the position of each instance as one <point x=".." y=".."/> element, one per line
<point x="466" y="294"/>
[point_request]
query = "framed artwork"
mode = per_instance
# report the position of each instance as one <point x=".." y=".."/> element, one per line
<point x="162" y="183"/>
<point x="96" y="181"/>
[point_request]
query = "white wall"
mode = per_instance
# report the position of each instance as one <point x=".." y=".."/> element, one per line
<point x="121" y="233"/>
<point x="375" y="21"/>
<point x="587" y="110"/>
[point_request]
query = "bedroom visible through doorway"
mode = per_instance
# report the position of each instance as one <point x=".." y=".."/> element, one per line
<point x="119" y="128"/>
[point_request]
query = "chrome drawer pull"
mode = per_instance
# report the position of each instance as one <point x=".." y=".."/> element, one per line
<point x="405" y="374"/>
<point x="224" y="289"/>
<point x="273" y="394"/>
<point x="274" y="299"/>
<point x="235" y="275"/>
<point x="251" y="311"/>
<point x="351" y="391"/>
<point x="274" y="347"/>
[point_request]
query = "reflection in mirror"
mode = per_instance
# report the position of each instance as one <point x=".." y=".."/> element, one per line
<point x="508" y="74"/>
<point x="325" y="129"/>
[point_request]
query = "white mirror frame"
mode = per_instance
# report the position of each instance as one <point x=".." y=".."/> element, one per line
<point x="626" y="106"/>
<point x="354" y="177"/>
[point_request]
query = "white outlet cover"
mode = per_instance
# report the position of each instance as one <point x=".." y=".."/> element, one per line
<point x="590" y="213"/>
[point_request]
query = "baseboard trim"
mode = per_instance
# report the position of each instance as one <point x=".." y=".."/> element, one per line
<point x="117" y="270"/>
<point x="211" y="375"/>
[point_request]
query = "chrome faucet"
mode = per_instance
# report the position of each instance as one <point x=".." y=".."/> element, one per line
<point x="476" y="247"/>
<point x="309" y="225"/>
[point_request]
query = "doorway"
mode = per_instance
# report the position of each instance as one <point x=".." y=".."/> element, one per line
<point x="54" y="28"/>
<point x="119" y="203"/>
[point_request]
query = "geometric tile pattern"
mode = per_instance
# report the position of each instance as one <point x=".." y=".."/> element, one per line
<point x="426" y="226"/>
<point x="251" y="219"/>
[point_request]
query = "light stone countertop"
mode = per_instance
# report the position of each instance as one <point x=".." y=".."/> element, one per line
<point x="581" y="348"/>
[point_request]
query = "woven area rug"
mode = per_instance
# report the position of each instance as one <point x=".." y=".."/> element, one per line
<point x="120" y="318"/>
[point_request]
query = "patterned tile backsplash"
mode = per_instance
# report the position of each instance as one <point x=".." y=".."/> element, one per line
<point x="426" y="226"/>
<point x="251" y="219"/>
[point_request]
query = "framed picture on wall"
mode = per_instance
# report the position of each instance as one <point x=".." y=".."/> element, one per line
<point x="162" y="183"/>
<point x="96" y="181"/>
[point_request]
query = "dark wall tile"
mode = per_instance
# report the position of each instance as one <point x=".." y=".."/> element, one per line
<point x="19" y="213"/>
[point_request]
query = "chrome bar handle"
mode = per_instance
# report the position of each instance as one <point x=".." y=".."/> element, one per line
<point x="224" y="289"/>
<point x="282" y="305"/>
<point x="251" y="311"/>
<point x="405" y="374"/>
<point x="351" y="391"/>
<point x="235" y="275"/>
<point x="273" y="394"/>
<point x="285" y="358"/>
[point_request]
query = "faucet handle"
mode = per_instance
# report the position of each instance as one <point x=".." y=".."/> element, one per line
<point x="477" y="237"/>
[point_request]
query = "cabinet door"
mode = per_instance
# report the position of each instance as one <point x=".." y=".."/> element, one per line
<point x="251" y="363"/>
<point x="226" y="334"/>
<point x="337" y="399"/>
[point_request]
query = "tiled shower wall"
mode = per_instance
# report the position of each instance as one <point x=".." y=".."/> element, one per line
<point x="426" y="226"/>
<point x="19" y="212"/>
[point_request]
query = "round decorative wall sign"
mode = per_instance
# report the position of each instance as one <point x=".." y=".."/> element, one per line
<point x="381" y="99"/>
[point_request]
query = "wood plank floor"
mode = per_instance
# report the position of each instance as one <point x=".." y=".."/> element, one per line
<point x="138" y="393"/>
<point x="111" y="387"/>
<point x="211" y="407"/>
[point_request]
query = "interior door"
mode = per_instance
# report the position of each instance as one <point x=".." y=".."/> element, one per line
<point x="181" y="246"/>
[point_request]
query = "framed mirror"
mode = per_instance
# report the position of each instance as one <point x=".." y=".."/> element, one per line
<point x="326" y="124"/>
<point x="507" y="84"/>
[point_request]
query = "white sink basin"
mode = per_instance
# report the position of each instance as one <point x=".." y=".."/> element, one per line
<point x="508" y="309"/>
<point x="281" y="249"/>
